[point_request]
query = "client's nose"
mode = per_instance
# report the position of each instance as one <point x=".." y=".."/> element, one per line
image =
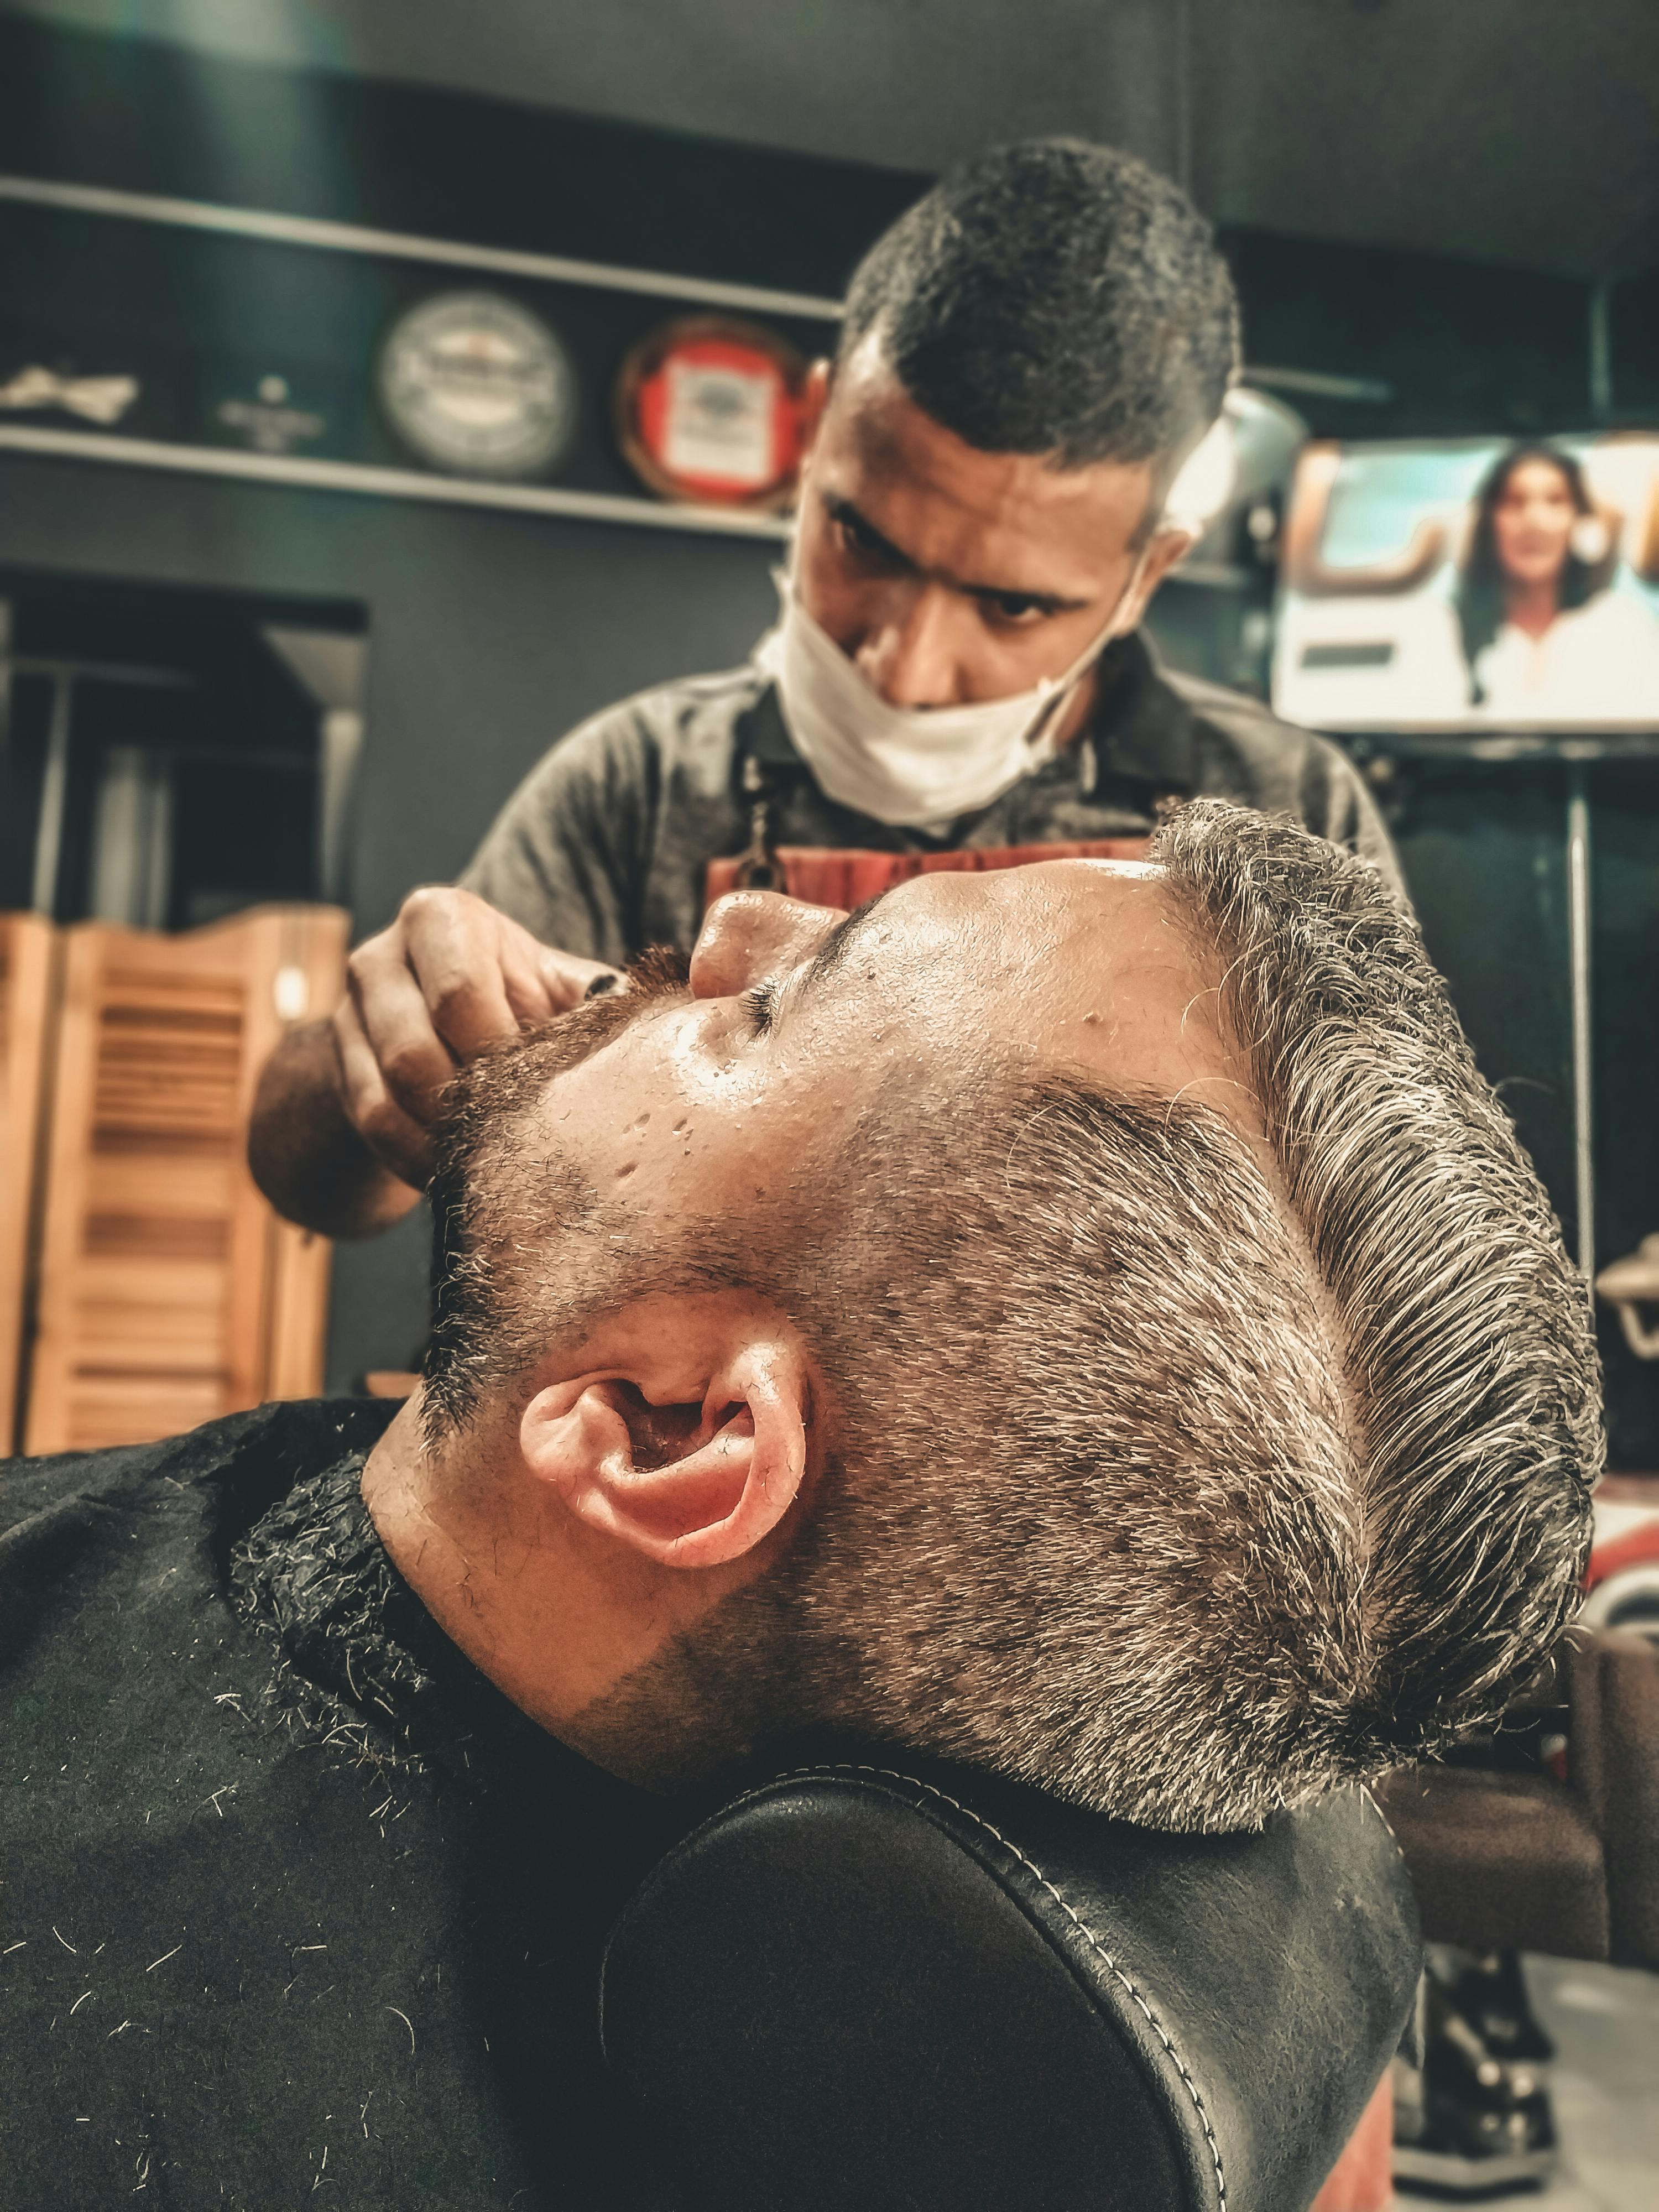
<point x="749" y="935"/>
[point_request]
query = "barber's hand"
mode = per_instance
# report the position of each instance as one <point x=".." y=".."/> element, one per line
<point x="449" y="978"/>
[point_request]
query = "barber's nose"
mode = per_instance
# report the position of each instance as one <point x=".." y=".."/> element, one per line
<point x="749" y="935"/>
<point x="911" y="657"/>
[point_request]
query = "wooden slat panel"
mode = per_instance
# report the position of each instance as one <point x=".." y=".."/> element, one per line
<point x="28" y="947"/>
<point x="299" y="1259"/>
<point x="298" y="1315"/>
<point x="163" y="1298"/>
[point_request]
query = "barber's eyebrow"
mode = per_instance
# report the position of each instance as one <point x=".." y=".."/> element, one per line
<point x="854" y="519"/>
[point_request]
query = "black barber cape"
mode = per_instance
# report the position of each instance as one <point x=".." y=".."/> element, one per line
<point x="297" y="1908"/>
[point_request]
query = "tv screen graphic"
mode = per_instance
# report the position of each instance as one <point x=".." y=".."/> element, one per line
<point x="1472" y="584"/>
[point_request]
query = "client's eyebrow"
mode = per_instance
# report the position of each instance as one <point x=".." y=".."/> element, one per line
<point x="832" y="953"/>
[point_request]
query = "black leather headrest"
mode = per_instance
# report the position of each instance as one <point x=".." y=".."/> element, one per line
<point x="877" y="1983"/>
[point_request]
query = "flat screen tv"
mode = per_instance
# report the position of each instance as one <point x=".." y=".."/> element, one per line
<point x="1472" y="584"/>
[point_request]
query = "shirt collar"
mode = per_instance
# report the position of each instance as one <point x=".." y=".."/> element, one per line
<point x="1142" y="726"/>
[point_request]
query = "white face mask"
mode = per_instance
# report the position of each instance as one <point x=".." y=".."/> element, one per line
<point x="907" y="766"/>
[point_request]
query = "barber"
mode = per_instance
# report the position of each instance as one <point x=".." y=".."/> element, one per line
<point x="992" y="493"/>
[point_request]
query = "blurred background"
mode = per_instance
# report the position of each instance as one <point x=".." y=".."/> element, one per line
<point x="279" y="625"/>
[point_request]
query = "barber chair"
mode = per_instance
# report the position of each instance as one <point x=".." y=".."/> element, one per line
<point x="1543" y="1837"/>
<point x="877" y="1982"/>
<point x="1550" y="1841"/>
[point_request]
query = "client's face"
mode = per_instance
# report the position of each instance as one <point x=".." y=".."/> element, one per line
<point x="680" y="1103"/>
<point x="723" y="1242"/>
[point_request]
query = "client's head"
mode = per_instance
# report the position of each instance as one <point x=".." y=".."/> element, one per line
<point x="1094" y="1322"/>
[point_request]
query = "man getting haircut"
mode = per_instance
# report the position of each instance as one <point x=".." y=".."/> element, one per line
<point x="1092" y="1322"/>
<point x="1182" y="1449"/>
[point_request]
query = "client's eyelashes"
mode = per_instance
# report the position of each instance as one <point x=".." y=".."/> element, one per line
<point x="759" y="1004"/>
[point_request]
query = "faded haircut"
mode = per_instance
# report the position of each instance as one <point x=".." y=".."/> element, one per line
<point x="1178" y="1494"/>
<point x="1053" y="297"/>
<point x="1466" y="1334"/>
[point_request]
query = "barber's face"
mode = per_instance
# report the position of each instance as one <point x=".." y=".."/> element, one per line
<point x="1532" y="523"/>
<point x="712" y="1102"/>
<point x="948" y="576"/>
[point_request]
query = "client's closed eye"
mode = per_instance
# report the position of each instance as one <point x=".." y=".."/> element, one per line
<point x="759" y="1004"/>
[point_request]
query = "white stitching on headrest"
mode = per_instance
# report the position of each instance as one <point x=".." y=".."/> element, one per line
<point x="915" y="1781"/>
<point x="1387" y="1825"/>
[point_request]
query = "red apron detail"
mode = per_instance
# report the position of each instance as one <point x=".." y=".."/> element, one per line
<point x="825" y="876"/>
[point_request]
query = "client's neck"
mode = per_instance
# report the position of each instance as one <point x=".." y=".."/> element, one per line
<point x="553" y="1616"/>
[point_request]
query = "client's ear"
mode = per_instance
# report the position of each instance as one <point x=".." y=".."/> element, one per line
<point x="691" y="1456"/>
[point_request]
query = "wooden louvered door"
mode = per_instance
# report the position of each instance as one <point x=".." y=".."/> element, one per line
<point x="169" y="1291"/>
<point x="28" y="947"/>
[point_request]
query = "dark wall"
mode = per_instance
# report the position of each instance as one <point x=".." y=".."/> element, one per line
<point x="1511" y="131"/>
<point x="148" y="118"/>
<point x="1454" y="348"/>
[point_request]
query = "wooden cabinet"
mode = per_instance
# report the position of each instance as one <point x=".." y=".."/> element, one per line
<point x="166" y="1289"/>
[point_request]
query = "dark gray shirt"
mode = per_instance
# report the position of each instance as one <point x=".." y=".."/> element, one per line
<point x="604" y="847"/>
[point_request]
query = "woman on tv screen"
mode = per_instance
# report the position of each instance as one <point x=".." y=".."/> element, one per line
<point x="1543" y="635"/>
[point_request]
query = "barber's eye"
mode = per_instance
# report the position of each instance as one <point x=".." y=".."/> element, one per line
<point x="857" y="538"/>
<point x="1014" y="611"/>
<point x="758" y="1006"/>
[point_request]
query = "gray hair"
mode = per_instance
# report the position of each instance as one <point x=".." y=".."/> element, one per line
<point x="1466" y="1334"/>
<point x="1180" y="1495"/>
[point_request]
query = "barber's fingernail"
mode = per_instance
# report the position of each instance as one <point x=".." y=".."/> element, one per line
<point x="600" y="985"/>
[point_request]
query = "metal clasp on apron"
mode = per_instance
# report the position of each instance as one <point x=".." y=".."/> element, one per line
<point x="757" y="866"/>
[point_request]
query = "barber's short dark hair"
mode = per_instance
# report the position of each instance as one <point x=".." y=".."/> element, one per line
<point x="1053" y="297"/>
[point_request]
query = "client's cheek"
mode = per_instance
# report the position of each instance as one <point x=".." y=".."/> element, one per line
<point x="715" y="1168"/>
